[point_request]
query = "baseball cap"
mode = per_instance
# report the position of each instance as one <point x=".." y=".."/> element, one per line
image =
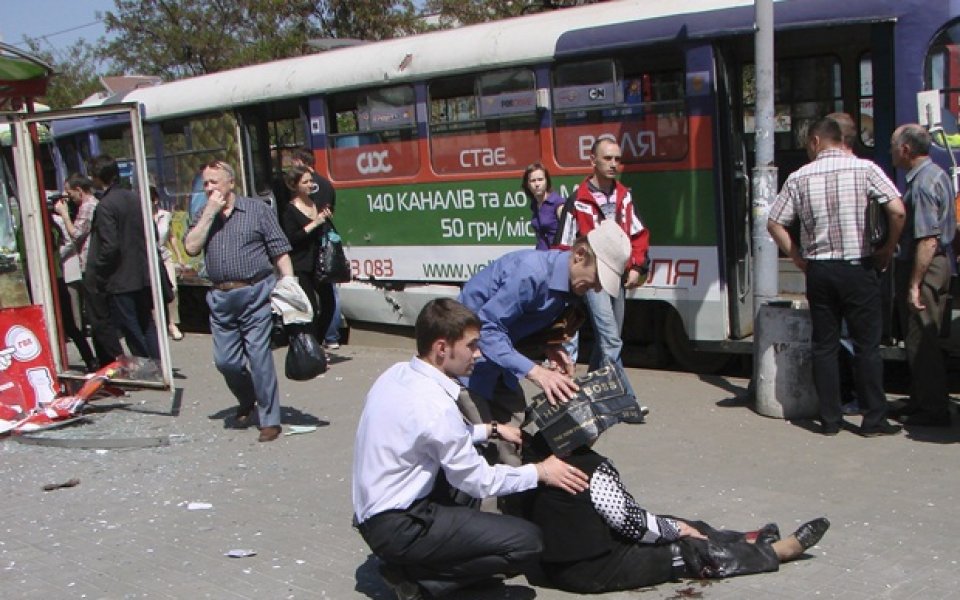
<point x="612" y="247"/>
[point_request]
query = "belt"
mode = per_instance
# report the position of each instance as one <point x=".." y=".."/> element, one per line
<point x="867" y="260"/>
<point x="226" y="286"/>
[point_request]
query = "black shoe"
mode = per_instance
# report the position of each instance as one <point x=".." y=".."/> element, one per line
<point x="242" y="420"/>
<point x="829" y="429"/>
<point x="882" y="428"/>
<point x="927" y="419"/>
<point x="810" y="532"/>
<point x="403" y="588"/>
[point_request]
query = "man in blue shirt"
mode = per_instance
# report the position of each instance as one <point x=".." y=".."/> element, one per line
<point x="520" y="294"/>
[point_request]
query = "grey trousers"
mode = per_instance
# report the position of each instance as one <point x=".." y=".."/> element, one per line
<point x="921" y="334"/>
<point x="240" y="321"/>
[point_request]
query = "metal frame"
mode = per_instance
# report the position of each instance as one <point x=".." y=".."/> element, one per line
<point x="32" y="214"/>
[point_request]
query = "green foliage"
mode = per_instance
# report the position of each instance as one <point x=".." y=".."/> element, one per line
<point x="183" y="38"/>
<point x="369" y="19"/>
<point x="77" y="73"/>
<point x="467" y="12"/>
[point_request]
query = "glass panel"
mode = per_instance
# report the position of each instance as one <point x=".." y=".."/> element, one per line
<point x="463" y="142"/>
<point x="452" y="101"/>
<point x="592" y="83"/>
<point x="507" y="92"/>
<point x="388" y="108"/>
<point x="806" y="89"/>
<point x="649" y="117"/>
<point x="191" y="143"/>
<point x="374" y="134"/>
<point x="865" y="108"/>
<point x="942" y="72"/>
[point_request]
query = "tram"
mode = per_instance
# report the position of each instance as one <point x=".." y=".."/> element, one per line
<point x="425" y="139"/>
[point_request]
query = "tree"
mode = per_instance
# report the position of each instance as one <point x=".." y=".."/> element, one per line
<point x="183" y="38"/>
<point x="369" y="19"/>
<point x="467" y="12"/>
<point x="77" y="73"/>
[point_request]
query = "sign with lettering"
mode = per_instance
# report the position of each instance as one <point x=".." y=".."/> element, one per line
<point x="27" y="375"/>
<point x="601" y="403"/>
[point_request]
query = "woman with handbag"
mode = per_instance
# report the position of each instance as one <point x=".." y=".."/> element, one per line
<point x="306" y="225"/>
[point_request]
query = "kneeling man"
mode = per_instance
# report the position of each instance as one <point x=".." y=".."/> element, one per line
<point x="413" y="449"/>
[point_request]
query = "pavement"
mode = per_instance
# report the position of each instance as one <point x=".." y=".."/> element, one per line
<point x="157" y="522"/>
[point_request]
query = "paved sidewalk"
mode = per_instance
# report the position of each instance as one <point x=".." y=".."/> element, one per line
<point x="126" y="530"/>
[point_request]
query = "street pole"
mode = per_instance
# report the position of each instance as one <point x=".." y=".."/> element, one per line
<point x="765" y="256"/>
<point x="781" y="350"/>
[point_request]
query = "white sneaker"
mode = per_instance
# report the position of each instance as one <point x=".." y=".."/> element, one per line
<point x="331" y="345"/>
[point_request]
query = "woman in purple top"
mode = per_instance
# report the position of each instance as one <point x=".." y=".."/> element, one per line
<point x="545" y="204"/>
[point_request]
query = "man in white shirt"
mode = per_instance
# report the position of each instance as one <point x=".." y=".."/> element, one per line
<point x="413" y="445"/>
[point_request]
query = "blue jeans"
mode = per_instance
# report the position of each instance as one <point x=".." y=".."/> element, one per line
<point x="133" y="314"/>
<point x="606" y="316"/>
<point x="332" y="336"/>
<point x="240" y="322"/>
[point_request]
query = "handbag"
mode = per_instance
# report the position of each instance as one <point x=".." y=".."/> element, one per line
<point x="167" y="291"/>
<point x="305" y="357"/>
<point x="877" y="227"/>
<point x="332" y="263"/>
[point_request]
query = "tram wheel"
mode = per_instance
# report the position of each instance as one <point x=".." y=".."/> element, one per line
<point x="683" y="352"/>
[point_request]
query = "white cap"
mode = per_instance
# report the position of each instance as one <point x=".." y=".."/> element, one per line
<point x="612" y="247"/>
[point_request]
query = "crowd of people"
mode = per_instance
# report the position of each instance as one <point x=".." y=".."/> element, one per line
<point x="442" y="432"/>
<point x="102" y="267"/>
<point x="418" y="474"/>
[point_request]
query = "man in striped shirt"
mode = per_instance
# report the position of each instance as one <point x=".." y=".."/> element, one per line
<point x="829" y="197"/>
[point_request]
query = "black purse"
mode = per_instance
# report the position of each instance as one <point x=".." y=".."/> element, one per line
<point x="332" y="263"/>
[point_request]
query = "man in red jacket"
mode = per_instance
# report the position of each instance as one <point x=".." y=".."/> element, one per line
<point x="600" y="196"/>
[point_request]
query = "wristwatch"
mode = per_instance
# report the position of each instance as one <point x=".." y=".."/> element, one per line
<point x="494" y="434"/>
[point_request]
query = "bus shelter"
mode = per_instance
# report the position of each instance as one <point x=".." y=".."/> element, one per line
<point x="34" y="357"/>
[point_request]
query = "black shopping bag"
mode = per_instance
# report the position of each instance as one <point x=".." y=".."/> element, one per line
<point x="305" y="357"/>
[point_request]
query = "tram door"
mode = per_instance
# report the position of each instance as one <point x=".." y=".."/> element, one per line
<point x="269" y="132"/>
<point x="737" y="228"/>
<point x="40" y="252"/>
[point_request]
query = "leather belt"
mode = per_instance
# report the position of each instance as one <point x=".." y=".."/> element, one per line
<point x="226" y="286"/>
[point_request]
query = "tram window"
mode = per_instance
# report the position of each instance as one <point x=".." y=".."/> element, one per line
<point x="587" y="85"/>
<point x="485" y="122"/>
<point x="190" y="143"/>
<point x="865" y="108"/>
<point x="641" y="102"/>
<point x="509" y="92"/>
<point x="942" y="72"/>
<point x="374" y="134"/>
<point x="805" y="90"/>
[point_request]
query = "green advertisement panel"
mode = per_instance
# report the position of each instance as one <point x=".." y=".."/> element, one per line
<point x="678" y="207"/>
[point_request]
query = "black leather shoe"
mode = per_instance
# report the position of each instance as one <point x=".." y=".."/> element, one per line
<point x="241" y="421"/>
<point x="403" y="588"/>
<point x="829" y="429"/>
<point x="882" y="428"/>
<point x="810" y="532"/>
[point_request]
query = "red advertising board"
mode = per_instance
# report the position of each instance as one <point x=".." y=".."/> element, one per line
<point x="28" y="378"/>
